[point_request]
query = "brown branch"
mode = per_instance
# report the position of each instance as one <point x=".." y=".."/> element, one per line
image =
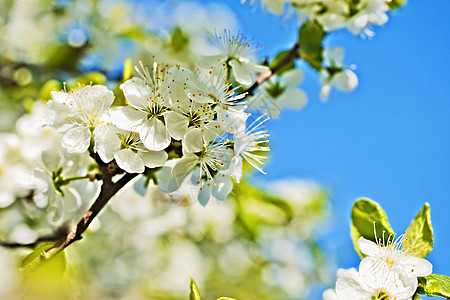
<point x="292" y="54"/>
<point x="108" y="189"/>
<point x="58" y="234"/>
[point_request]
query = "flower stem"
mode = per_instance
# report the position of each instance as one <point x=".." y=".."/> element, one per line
<point x="108" y="190"/>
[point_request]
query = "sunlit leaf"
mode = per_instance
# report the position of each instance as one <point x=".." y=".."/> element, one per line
<point x="434" y="285"/>
<point x="311" y="35"/>
<point x="366" y="213"/>
<point x="194" y="294"/>
<point x="419" y="235"/>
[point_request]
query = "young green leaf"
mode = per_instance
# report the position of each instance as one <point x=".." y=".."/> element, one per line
<point x="366" y="213"/>
<point x="434" y="285"/>
<point x="194" y="294"/>
<point x="55" y="265"/>
<point x="419" y="235"/>
<point x="311" y="35"/>
<point x="280" y="57"/>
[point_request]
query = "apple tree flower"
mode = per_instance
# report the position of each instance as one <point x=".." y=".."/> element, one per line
<point x="280" y="92"/>
<point x="334" y="74"/>
<point x="148" y="99"/>
<point x="127" y="149"/>
<point x="78" y="112"/>
<point x="235" y="54"/>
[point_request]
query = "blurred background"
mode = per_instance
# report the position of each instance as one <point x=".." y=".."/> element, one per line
<point x="388" y="140"/>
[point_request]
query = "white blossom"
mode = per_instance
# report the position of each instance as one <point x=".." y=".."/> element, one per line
<point x="334" y="74"/>
<point x="148" y="99"/>
<point x="127" y="149"/>
<point x="78" y="113"/>
<point x="280" y="92"/>
<point x="236" y="52"/>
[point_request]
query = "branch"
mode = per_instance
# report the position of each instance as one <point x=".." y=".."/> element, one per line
<point x="292" y="54"/>
<point x="108" y="189"/>
<point x="58" y="234"/>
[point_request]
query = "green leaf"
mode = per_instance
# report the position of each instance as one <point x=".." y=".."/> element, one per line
<point x="311" y="35"/>
<point x="434" y="285"/>
<point x="280" y="57"/>
<point x="419" y="235"/>
<point x="55" y="266"/>
<point x="366" y="213"/>
<point x="194" y="294"/>
<point x="179" y="40"/>
<point x="394" y="4"/>
<point x="225" y="298"/>
<point x="127" y="70"/>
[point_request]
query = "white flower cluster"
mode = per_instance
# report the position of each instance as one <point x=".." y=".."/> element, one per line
<point x="357" y="16"/>
<point x="197" y="118"/>
<point x="389" y="271"/>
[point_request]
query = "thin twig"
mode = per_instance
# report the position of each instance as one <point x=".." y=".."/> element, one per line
<point x="58" y="234"/>
<point x="292" y="54"/>
<point x="108" y="189"/>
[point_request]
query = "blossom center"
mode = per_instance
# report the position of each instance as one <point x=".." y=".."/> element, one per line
<point x="381" y="295"/>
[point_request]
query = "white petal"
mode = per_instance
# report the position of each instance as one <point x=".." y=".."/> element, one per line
<point x="107" y="143"/>
<point x="241" y="72"/>
<point x="418" y="266"/>
<point x="291" y="78"/>
<point x="154" y="135"/>
<point x="207" y="62"/>
<point x="368" y="247"/>
<point x="51" y="159"/>
<point x="193" y="141"/>
<point x="223" y="187"/>
<point x="184" y="166"/>
<point x="127" y="118"/>
<point x="136" y="92"/>
<point x="346" y="80"/>
<point x="129" y="161"/>
<point x="99" y="96"/>
<point x="77" y="140"/>
<point x="330" y="294"/>
<point x="292" y="98"/>
<point x="177" y="124"/>
<point x="204" y="193"/>
<point x="166" y="182"/>
<point x="72" y="200"/>
<point x="236" y="168"/>
<point x="153" y="159"/>
<point x="349" y="285"/>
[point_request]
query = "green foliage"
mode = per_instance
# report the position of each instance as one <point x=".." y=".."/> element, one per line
<point x="394" y="4"/>
<point x="179" y="40"/>
<point x="434" y="285"/>
<point x="366" y="213"/>
<point x="419" y="235"/>
<point x="55" y="266"/>
<point x="194" y="293"/>
<point x="280" y="57"/>
<point x="311" y="35"/>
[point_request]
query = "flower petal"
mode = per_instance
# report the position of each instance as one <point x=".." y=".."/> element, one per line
<point x="241" y="72"/>
<point x="107" y="143"/>
<point x="129" y="161"/>
<point x="127" y="118"/>
<point x="292" y="78"/>
<point x="177" y="124"/>
<point x="418" y="266"/>
<point x="136" y="92"/>
<point x="346" y="80"/>
<point x="223" y="187"/>
<point x="184" y="166"/>
<point x="154" y="135"/>
<point x="292" y="98"/>
<point x="153" y="159"/>
<point x="77" y="140"/>
<point x="368" y="247"/>
<point x="193" y="141"/>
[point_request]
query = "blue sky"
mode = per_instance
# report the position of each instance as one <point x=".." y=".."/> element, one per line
<point x="389" y="140"/>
